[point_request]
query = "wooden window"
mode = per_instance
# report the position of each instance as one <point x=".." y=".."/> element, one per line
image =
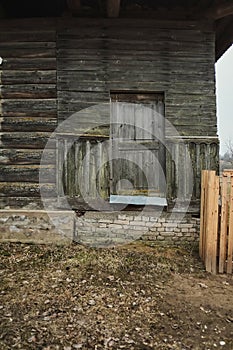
<point x="137" y="148"/>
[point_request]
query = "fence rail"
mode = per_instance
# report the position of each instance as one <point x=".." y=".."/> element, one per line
<point x="216" y="228"/>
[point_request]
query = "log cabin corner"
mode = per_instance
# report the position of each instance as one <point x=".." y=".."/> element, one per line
<point x="107" y="108"/>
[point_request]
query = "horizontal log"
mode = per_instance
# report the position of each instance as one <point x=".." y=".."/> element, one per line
<point x="23" y="35"/>
<point x="21" y="189"/>
<point x="29" y="63"/>
<point x="83" y="44"/>
<point x="28" y="77"/>
<point x="72" y="85"/>
<point x="151" y="31"/>
<point x="27" y="124"/>
<point x="27" y="173"/>
<point x="93" y="54"/>
<point x="134" y="75"/>
<point x="134" y="65"/>
<point x="24" y="46"/>
<point x="13" y="52"/>
<point x="27" y="156"/>
<point x="29" y="107"/>
<point x="31" y="91"/>
<point x="25" y="140"/>
<point x="70" y="97"/>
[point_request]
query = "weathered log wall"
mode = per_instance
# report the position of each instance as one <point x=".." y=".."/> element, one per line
<point x="99" y="56"/>
<point x="176" y="58"/>
<point x="28" y="108"/>
<point x="54" y="69"/>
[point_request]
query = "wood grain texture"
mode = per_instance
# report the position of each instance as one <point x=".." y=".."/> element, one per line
<point x="28" y="109"/>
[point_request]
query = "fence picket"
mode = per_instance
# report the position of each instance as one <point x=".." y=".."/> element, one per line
<point x="230" y="234"/>
<point x="204" y="178"/>
<point x="223" y="225"/>
<point x="210" y="224"/>
<point x="216" y="226"/>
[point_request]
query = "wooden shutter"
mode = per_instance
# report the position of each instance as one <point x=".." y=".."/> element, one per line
<point x="138" y="154"/>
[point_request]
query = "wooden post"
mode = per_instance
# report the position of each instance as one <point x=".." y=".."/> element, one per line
<point x="215" y="225"/>
<point x="223" y="225"/>
<point x="230" y="234"/>
<point x="220" y="10"/>
<point x="113" y="8"/>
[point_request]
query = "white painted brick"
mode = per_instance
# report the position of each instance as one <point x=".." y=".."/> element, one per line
<point x="153" y="219"/>
<point x="114" y="226"/>
<point x="121" y="222"/>
<point x="185" y="225"/>
<point x="170" y="224"/>
<point x="166" y="233"/>
<point x="149" y="224"/>
<point x="140" y="228"/>
<point x="139" y="223"/>
<point x="145" y="218"/>
<point x="123" y="217"/>
<point x="90" y="220"/>
<point x="184" y="230"/>
<point x="179" y="234"/>
<point x="127" y="227"/>
<point x="169" y="229"/>
<point x="176" y="230"/>
<point x="137" y="218"/>
<point x="157" y="224"/>
<point x="154" y="229"/>
<point x="161" y="220"/>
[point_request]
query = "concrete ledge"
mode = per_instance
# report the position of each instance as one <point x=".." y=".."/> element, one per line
<point x="37" y="226"/>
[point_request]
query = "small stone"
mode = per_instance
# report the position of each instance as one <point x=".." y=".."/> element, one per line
<point x="32" y="339"/>
<point x="111" y="278"/>
<point x="222" y="342"/>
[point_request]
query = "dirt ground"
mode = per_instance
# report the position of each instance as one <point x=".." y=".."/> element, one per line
<point x="132" y="297"/>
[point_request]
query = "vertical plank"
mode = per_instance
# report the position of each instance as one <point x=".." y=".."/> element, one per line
<point x="215" y="225"/>
<point x="211" y="223"/>
<point x="76" y="164"/>
<point x="86" y="169"/>
<point x="203" y="213"/>
<point x="230" y="234"/>
<point x="65" y="167"/>
<point x="60" y="165"/>
<point x="223" y="225"/>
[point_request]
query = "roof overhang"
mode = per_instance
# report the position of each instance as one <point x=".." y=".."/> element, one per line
<point x="218" y="12"/>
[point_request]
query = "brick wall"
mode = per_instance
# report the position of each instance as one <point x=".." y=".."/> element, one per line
<point x="96" y="228"/>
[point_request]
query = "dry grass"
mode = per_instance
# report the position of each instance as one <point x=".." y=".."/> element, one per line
<point x="132" y="297"/>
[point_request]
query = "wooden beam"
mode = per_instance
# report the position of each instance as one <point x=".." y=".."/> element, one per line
<point x="220" y="10"/>
<point x="113" y="8"/>
<point x="224" y="39"/>
<point x="74" y="5"/>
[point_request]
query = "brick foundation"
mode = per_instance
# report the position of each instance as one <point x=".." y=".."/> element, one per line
<point x="98" y="228"/>
<point x="95" y="228"/>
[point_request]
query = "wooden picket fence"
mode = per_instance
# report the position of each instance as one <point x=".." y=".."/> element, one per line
<point x="216" y="226"/>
